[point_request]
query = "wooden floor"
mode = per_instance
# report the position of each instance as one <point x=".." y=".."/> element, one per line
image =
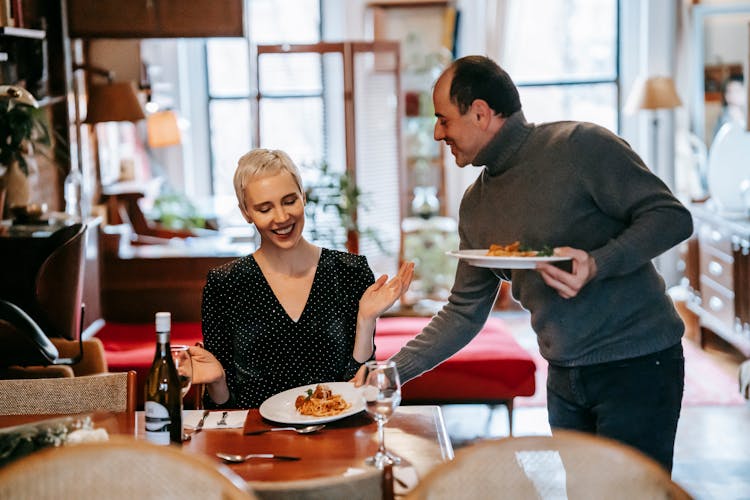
<point x="712" y="450"/>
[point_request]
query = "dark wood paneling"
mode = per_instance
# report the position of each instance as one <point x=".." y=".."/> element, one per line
<point x="155" y="18"/>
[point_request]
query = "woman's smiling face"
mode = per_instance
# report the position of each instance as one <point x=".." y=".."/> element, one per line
<point x="276" y="206"/>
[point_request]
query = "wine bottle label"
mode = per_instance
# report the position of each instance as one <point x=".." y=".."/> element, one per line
<point x="157" y="422"/>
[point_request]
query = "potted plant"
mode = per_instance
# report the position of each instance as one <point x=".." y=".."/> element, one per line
<point x="22" y="124"/>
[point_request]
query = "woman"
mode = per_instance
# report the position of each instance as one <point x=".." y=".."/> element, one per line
<point x="291" y="313"/>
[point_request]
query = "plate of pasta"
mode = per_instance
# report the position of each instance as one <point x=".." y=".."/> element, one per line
<point x="480" y="258"/>
<point x="314" y="403"/>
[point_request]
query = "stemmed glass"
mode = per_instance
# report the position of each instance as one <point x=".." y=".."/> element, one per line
<point x="382" y="395"/>
<point x="184" y="365"/>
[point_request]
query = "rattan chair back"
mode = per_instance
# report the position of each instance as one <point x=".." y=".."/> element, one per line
<point x="122" y="468"/>
<point x="114" y="392"/>
<point x="568" y="465"/>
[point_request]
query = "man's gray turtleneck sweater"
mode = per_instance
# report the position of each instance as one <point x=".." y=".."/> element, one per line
<point x="564" y="184"/>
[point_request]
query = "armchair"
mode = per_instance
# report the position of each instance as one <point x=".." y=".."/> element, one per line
<point x="42" y="298"/>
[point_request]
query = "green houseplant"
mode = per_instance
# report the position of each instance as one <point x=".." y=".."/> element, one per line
<point x="338" y="193"/>
<point x="22" y="124"/>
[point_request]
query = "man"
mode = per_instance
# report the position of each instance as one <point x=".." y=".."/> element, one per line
<point x="606" y="326"/>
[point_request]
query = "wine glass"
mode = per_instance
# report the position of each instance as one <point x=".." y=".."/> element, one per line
<point x="184" y="365"/>
<point x="382" y="395"/>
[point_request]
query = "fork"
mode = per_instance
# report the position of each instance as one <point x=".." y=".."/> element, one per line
<point x="202" y="421"/>
<point x="223" y="419"/>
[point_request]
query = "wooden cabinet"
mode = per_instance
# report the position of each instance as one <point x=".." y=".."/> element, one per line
<point x="721" y="294"/>
<point x="155" y="18"/>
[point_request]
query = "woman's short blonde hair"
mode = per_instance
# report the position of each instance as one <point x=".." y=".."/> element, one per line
<point x="259" y="163"/>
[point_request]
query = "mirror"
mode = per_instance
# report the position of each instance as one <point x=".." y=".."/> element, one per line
<point x="721" y="56"/>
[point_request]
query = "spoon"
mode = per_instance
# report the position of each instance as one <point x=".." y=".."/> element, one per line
<point x="301" y="430"/>
<point x="229" y="457"/>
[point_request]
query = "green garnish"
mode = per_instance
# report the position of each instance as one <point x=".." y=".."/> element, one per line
<point x="546" y="250"/>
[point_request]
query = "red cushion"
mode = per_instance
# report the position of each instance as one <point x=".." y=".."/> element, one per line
<point x="492" y="367"/>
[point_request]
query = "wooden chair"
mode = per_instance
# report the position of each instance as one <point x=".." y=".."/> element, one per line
<point x="120" y="469"/>
<point x="113" y="392"/>
<point x="566" y="465"/>
<point x="124" y="208"/>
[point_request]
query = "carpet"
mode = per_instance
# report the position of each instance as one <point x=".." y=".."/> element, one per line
<point x="706" y="383"/>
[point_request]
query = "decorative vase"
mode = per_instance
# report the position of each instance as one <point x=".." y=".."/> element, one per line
<point x="2" y="198"/>
<point x="425" y="203"/>
<point x="17" y="192"/>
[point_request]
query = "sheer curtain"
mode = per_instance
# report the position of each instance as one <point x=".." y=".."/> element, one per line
<point x="497" y="27"/>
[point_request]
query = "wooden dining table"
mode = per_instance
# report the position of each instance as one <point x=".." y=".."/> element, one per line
<point x="417" y="434"/>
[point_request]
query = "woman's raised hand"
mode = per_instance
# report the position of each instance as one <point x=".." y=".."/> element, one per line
<point x="382" y="294"/>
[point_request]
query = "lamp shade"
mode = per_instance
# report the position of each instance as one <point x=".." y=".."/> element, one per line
<point x="113" y="102"/>
<point x="657" y="92"/>
<point x="162" y="129"/>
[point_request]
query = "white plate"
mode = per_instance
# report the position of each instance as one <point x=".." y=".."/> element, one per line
<point x="280" y="407"/>
<point x="480" y="258"/>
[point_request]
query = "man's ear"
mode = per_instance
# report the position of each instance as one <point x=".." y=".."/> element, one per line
<point x="481" y="112"/>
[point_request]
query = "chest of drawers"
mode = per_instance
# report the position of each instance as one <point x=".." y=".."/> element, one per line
<point x="720" y="286"/>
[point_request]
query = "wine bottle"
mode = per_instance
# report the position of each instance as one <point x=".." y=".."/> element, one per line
<point x="163" y="401"/>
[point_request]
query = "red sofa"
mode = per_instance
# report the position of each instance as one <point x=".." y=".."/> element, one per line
<point x="493" y="369"/>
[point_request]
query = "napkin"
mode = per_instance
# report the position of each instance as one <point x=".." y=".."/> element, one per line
<point x="235" y="419"/>
<point x="87" y="436"/>
<point x="405" y="478"/>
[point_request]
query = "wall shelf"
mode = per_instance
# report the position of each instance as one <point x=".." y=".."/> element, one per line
<point x="22" y="33"/>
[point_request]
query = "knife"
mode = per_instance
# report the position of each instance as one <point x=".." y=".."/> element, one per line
<point x="202" y="421"/>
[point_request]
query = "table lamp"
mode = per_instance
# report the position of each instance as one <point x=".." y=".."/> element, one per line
<point x="162" y="129"/>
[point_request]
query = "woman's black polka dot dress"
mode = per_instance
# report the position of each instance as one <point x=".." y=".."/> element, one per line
<point x="262" y="350"/>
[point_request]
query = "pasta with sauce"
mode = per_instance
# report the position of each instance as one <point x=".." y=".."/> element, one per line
<point x="321" y="402"/>
<point x="515" y="249"/>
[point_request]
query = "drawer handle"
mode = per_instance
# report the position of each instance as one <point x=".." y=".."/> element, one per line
<point x="715" y="268"/>
<point x="716" y="304"/>
<point x="715" y="235"/>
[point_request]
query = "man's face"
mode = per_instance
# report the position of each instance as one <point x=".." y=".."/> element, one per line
<point x="460" y="132"/>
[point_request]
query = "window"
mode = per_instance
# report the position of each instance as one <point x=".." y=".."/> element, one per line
<point x="562" y="55"/>
<point x="297" y="93"/>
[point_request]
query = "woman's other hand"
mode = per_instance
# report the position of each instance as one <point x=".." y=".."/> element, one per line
<point x="359" y="378"/>
<point x="206" y="368"/>
<point x="382" y="294"/>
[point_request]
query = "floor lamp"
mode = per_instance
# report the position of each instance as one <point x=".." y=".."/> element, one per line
<point x="653" y="94"/>
<point x="107" y="102"/>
